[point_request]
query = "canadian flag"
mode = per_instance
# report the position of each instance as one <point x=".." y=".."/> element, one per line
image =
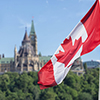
<point x="83" y="39"/>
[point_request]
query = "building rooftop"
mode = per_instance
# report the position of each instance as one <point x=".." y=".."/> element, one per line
<point x="6" y="60"/>
<point x="92" y="64"/>
<point x="44" y="58"/>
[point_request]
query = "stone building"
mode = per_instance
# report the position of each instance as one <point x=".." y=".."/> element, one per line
<point x="92" y="64"/>
<point x="27" y="58"/>
<point x="5" y="64"/>
<point x="78" y="67"/>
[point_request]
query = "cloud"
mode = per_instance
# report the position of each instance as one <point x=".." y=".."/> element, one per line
<point x="80" y="0"/>
<point x="64" y="8"/>
<point x="47" y="1"/>
<point x="98" y="60"/>
<point x="23" y="23"/>
<point x="61" y="0"/>
<point x="80" y="14"/>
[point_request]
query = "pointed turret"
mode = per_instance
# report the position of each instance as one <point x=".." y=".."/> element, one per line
<point x="15" y="50"/>
<point x="32" y="32"/>
<point x="26" y="39"/>
<point x="15" y="57"/>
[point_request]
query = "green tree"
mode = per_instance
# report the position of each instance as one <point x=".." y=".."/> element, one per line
<point x="85" y="96"/>
<point x="34" y="91"/>
<point x="12" y="96"/>
<point x="24" y="81"/>
<point x="40" y="54"/>
<point x="20" y="94"/>
<point x="2" y="96"/>
<point x="14" y="86"/>
<point x="48" y="95"/>
<point x="34" y="77"/>
<point x="4" y="82"/>
<point x="73" y="80"/>
<point x="28" y="96"/>
<point x="71" y="91"/>
<point x="85" y="67"/>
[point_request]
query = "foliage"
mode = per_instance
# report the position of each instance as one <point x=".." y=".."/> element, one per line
<point x="85" y="96"/>
<point x="14" y="86"/>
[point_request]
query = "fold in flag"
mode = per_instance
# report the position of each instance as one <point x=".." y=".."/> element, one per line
<point x="83" y="39"/>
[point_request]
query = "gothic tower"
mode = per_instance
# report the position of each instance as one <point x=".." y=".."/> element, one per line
<point x="33" y="38"/>
<point x="26" y="58"/>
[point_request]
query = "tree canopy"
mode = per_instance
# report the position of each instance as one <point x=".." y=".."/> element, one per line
<point x="14" y="86"/>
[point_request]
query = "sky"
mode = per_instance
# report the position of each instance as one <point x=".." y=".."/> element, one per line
<point x="53" y="21"/>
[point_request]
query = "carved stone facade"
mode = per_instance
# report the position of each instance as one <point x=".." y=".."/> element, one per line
<point x="27" y="59"/>
<point x="78" y="67"/>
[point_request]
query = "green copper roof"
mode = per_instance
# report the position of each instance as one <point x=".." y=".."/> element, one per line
<point x="6" y="60"/>
<point x="44" y="58"/>
<point x="32" y="29"/>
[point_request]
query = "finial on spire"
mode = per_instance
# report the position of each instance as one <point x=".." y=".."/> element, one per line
<point x="25" y="29"/>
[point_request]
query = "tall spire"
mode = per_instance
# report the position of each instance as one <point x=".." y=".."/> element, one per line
<point x="33" y="38"/>
<point x="26" y="38"/>
<point x="32" y="29"/>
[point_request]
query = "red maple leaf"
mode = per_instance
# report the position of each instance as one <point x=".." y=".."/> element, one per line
<point x="69" y="50"/>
